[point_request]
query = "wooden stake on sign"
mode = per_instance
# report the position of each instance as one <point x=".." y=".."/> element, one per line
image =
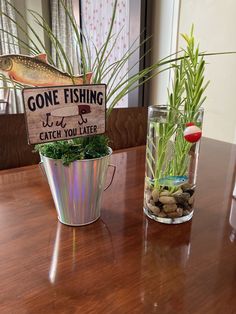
<point x="64" y="112"/>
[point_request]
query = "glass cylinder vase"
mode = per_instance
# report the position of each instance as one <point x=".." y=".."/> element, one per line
<point x="173" y="142"/>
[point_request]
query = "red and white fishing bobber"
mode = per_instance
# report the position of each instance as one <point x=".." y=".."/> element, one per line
<point x="192" y="133"/>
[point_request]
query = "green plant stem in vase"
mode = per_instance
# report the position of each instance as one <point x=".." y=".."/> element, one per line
<point x="173" y="141"/>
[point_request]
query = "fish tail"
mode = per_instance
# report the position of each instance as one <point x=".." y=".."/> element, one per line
<point x="88" y="77"/>
<point x="80" y="79"/>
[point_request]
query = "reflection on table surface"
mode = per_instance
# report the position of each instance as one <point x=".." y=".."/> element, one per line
<point x="232" y="219"/>
<point x="124" y="262"/>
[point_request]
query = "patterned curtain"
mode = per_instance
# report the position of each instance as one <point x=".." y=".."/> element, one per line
<point x="96" y="18"/>
<point x="9" y="45"/>
<point x="62" y="29"/>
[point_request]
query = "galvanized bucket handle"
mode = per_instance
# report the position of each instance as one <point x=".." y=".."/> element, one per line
<point x="112" y="177"/>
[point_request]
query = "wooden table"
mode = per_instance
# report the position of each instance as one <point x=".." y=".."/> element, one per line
<point x="124" y="262"/>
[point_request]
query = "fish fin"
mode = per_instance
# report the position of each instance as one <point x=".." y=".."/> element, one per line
<point x="88" y="77"/>
<point x="11" y="76"/>
<point x="42" y="57"/>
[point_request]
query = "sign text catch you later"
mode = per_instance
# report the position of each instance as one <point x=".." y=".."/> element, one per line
<point x="64" y="112"/>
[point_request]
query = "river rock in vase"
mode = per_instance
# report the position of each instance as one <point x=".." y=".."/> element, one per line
<point x="175" y="206"/>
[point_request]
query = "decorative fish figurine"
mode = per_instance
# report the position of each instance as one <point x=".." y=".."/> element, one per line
<point x="36" y="71"/>
<point x="173" y="180"/>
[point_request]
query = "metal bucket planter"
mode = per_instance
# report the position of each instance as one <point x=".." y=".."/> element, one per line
<point x="77" y="189"/>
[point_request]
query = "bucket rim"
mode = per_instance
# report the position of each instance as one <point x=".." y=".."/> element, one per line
<point x="80" y="160"/>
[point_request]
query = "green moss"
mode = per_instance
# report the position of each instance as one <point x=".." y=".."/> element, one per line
<point x="77" y="149"/>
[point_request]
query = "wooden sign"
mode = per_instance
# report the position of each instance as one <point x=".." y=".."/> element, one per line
<point x="64" y="112"/>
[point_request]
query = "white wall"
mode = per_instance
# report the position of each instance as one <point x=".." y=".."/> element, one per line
<point x="41" y="7"/>
<point x="215" y="26"/>
<point x="20" y="6"/>
<point x="164" y="25"/>
<point x="215" y="30"/>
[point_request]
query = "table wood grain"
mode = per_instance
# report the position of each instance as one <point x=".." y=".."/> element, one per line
<point x="124" y="262"/>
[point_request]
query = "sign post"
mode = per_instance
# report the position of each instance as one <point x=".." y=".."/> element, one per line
<point x="64" y="112"/>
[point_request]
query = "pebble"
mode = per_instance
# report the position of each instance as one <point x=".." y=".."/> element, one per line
<point x="155" y="195"/>
<point x="186" y="196"/>
<point x="164" y="204"/>
<point x="154" y="209"/>
<point x="152" y="202"/>
<point x="186" y="186"/>
<point x="169" y="208"/>
<point x="179" y="192"/>
<point x="147" y="196"/>
<point x="162" y="215"/>
<point x="173" y="215"/>
<point x="191" y="200"/>
<point x="189" y="191"/>
<point x="182" y="198"/>
<point x="186" y="212"/>
<point x="165" y="193"/>
<point x="179" y="211"/>
<point x="159" y="204"/>
<point x="167" y="200"/>
<point x="187" y="206"/>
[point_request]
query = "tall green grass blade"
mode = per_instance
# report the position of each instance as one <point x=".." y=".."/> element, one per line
<point x="124" y="59"/>
<point x="58" y="46"/>
<point x="24" y="44"/>
<point x="21" y="28"/>
<point x="103" y="51"/>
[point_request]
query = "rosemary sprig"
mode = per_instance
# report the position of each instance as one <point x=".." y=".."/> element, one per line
<point x="184" y="102"/>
